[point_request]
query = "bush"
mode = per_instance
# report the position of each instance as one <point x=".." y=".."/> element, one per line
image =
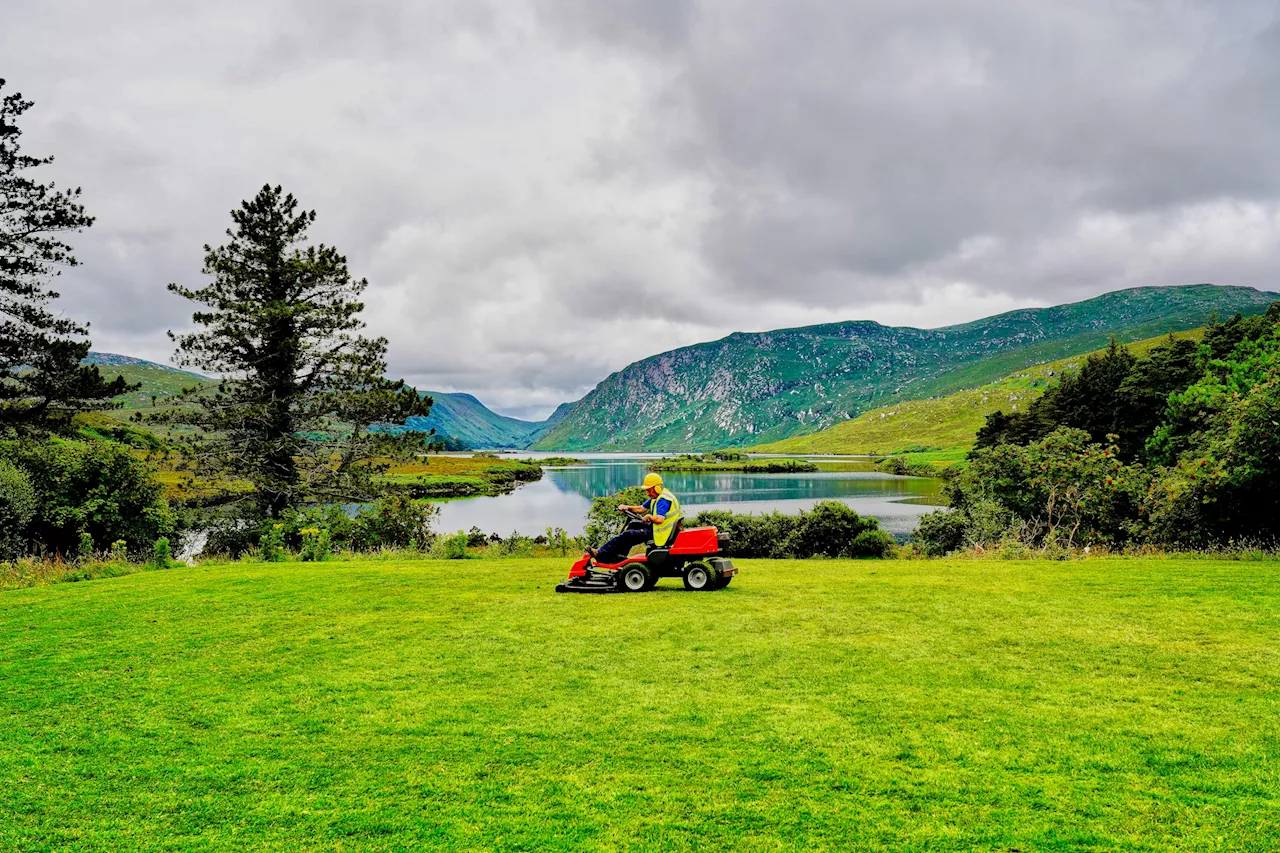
<point x="17" y="508"/>
<point x="96" y="487"/>
<point x="830" y="529"/>
<point x="872" y="543"/>
<point x="84" y="550"/>
<point x="315" y="545"/>
<point x="942" y="532"/>
<point x="394" y="522"/>
<point x="1063" y="490"/>
<point x="161" y="554"/>
<point x="558" y="539"/>
<point x="514" y="545"/>
<point x="450" y="547"/>
<point x="899" y="466"/>
<point x="272" y="542"/>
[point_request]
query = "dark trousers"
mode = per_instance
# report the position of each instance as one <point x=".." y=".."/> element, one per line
<point x="617" y="548"/>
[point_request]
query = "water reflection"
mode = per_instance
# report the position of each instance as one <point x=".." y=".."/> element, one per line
<point x="562" y="497"/>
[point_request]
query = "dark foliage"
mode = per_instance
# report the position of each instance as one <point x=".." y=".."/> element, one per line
<point x="97" y="488"/>
<point x="17" y="507"/>
<point x="42" y="383"/>
<point x="1062" y="490"/>
<point x="293" y="416"/>
<point x="1207" y="472"/>
<point x="1115" y="393"/>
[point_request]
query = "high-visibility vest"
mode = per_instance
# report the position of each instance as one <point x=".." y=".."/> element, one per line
<point x="662" y="532"/>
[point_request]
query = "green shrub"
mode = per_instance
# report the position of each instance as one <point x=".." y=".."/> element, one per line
<point x="450" y="547"/>
<point x="872" y="543"/>
<point x="942" y="532"/>
<point x="899" y="466"/>
<point x="558" y="539"/>
<point x="315" y="545"/>
<point x="17" y="508"/>
<point x="1062" y="489"/>
<point x="271" y="545"/>
<point x="514" y="545"/>
<point x="84" y="549"/>
<point x="830" y="529"/>
<point x="162" y="554"/>
<point x="119" y="551"/>
<point x="395" y="521"/>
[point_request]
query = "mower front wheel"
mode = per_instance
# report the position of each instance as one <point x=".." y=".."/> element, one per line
<point x="635" y="578"/>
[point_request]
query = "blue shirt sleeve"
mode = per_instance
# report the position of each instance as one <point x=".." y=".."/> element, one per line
<point x="663" y="507"/>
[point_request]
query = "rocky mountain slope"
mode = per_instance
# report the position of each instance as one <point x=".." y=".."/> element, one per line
<point x="756" y="388"/>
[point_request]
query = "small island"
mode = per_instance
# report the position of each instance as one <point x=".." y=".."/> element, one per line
<point x="729" y="461"/>
<point x="559" y="461"/>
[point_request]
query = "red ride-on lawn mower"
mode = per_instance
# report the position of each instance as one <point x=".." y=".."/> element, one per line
<point x="696" y="555"/>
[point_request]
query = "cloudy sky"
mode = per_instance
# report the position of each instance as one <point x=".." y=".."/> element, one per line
<point x="541" y="191"/>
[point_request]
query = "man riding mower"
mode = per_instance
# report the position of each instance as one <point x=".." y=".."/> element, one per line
<point x="695" y="555"/>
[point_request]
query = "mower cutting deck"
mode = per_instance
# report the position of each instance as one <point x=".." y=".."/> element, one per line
<point x="696" y="556"/>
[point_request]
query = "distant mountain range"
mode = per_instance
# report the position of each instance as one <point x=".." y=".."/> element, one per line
<point x="760" y="387"/>
<point x="471" y="424"/>
<point x="754" y="388"/>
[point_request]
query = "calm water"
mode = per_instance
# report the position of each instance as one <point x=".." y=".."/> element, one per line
<point x="561" y="498"/>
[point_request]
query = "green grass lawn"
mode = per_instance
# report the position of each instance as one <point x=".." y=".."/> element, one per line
<point x="1104" y="705"/>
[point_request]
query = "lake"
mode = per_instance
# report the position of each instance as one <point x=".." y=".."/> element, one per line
<point x="563" y="496"/>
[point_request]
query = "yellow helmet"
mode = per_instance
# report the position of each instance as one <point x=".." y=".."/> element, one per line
<point x="652" y="481"/>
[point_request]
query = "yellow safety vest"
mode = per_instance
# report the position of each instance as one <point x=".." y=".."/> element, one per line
<point x="662" y="532"/>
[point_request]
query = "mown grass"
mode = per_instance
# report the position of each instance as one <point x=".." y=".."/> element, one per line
<point x="1103" y="705"/>
<point x="949" y="423"/>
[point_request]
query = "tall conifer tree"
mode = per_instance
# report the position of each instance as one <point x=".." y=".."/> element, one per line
<point x="42" y="382"/>
<point x="300" y="388"/>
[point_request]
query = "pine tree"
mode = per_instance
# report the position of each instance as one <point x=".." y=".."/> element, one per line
<point x="300" y="388"/>
<point x="42" y="383"/>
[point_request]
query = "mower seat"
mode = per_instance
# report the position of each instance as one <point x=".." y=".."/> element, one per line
<point x="650" y="546"/>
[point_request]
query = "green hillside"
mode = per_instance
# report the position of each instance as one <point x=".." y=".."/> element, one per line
<point x="410" y="705"/>
<point x="158" y="381"/>
<point x="947" y="423"/>
<point x="759" y="388"/>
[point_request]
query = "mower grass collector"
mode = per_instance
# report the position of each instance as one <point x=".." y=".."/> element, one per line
<point x="696" y="556"/>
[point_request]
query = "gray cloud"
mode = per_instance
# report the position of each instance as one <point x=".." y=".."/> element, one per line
<point x="541" y="191"/>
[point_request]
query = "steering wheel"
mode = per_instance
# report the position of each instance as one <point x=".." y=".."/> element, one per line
<point x="631" y="515"/>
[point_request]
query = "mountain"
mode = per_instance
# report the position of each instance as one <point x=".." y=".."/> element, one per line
<point x="157" y="381"/>
<point x="460" y="419"/>
<point x="470" y="423"/>
<point x="949" y="423"/>
<point x="757" y="388"/>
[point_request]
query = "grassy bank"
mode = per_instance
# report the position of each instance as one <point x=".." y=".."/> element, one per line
<point x="1105" y="705"/>
<point x="462" y="476"/>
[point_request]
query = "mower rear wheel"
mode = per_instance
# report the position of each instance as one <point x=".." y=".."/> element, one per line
<point x="700" y="577"/>
<point x="723" y="582"/>
<point x="634" y="579"/>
